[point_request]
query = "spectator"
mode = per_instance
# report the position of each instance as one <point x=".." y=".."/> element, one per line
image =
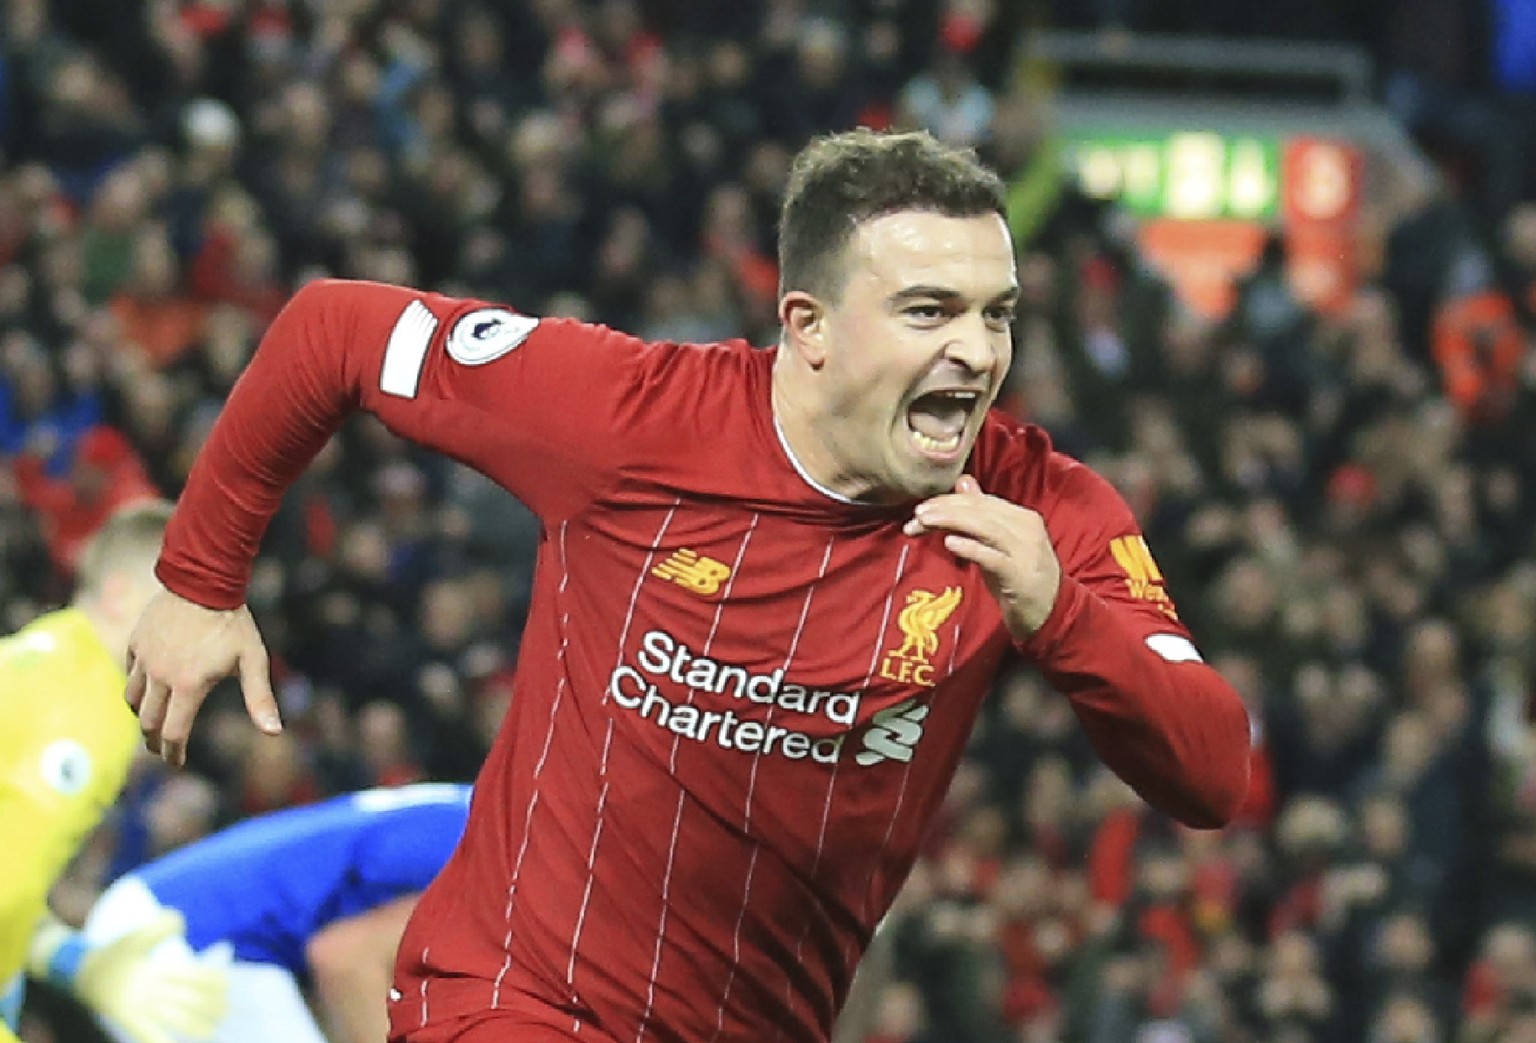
<point x="105" y="475"/>
<point x="949" y="102"/>
<point x="900" y="1017"/>
<point x="153" y="315"/>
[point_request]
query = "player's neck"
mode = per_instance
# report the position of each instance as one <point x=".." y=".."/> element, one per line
<point x="803" y="433"/>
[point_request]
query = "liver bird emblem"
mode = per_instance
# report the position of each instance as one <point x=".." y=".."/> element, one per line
<point x="920" y="620"/>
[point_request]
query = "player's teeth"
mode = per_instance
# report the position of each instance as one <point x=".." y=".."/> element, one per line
<point x="935" y="445"/>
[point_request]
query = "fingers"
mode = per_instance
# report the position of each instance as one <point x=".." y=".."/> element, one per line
<point x="178" y="652"/>
<point x="929" y="515"/>
<point x="152" y="710"/>
<point x="181" y="707"/>
<point x="967" y="503"/>
<point x="167" y="923"/>
<point x="165" y="719"/>
<point x="180" y="711"/>
<point x="970" y="549"/>
<point x="194" y="986"/>
<point x="192" y="1006"/>
<point x="978" y="516"/>
<point x="975" y="513"/>
<point x="137" y="679"/>
<point x="183" y="996"/>
<point x="256" y="684"/>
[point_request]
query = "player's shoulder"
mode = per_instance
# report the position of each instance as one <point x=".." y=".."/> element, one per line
<point x="1082" y="510"/>
<point x="681" y="398"/>
<point x="70" y="736"/>
<point x="1018" y="461"/>
<point x="475" y="331"/>
<point x="58" y="640"/>
<point x="717" y="366"/>
<point x="386" y="799"/>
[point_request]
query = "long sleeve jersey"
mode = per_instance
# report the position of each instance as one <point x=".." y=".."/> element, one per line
<point x="739" y="699"/>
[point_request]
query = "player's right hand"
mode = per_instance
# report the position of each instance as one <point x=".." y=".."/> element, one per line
<point x="1008" y="542"/>
<point x="178" y="651"/>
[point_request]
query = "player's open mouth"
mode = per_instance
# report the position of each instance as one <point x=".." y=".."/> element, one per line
<point x="938" y="421"/>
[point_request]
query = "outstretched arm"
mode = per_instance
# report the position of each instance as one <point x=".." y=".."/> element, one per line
<point x="351" y="963"/>
<point x="533" y="404"/>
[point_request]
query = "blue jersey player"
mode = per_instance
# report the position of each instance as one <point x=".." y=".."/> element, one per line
<point x="307" y="900"/>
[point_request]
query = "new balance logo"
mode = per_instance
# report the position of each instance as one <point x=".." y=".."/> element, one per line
<point x="893" y="733"/>
<point x="692" y="571"/>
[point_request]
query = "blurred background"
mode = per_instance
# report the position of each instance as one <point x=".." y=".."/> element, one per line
<point x="1279" y="273"/>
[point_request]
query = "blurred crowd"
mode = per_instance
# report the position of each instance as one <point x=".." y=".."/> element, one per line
<point x="1341" y="503"/>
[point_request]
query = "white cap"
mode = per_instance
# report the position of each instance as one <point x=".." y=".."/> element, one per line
<point x="208" y="123"/>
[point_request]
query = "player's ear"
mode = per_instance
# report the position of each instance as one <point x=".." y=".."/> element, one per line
<point x="804" y="321"/>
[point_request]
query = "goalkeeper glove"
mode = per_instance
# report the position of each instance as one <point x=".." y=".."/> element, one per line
<point x="170" y="998"/>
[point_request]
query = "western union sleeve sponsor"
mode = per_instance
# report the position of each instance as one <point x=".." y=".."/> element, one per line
<point x="1143" y="579"/>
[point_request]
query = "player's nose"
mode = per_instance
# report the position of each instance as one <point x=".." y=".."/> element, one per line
<point x="971" y="345"/>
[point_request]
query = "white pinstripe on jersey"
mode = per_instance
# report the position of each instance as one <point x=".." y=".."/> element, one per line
<point x="597" y="833"/>
<point x="826" y="810"/>
<point x="746" y="893"/>
<point x="602" y="797"/>
<point x="677" y="818"/>
<point x="538" y="770"/>
<point x="425" y="952"/>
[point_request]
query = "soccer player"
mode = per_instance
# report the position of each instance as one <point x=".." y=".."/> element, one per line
<point x="65" y="749"/>
<point x="773" y="588"/>
<point x="312" y="896"/>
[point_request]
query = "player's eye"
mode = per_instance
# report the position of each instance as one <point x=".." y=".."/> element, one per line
<point x="925" y="312"/>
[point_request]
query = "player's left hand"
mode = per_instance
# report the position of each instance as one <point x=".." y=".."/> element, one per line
<point x="153" y="997"/>
<point x="1008" y="542"/>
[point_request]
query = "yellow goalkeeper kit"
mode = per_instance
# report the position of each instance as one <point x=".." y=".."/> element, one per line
<point x="66" y="743"/>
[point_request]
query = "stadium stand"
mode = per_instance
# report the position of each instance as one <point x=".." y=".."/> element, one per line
<point x="1341" y="502"/>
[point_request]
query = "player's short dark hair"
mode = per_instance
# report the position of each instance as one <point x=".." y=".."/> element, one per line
<point x="132" y="535"/>
<point x="840" y="181"/>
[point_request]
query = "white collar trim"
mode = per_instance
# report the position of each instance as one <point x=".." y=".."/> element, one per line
<point x="804" y="475"/>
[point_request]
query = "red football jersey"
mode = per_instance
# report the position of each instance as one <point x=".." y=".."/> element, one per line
<point x="739" y="698"/>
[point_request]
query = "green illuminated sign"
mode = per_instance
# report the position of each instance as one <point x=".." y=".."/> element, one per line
<point x="1190" y="174"/>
